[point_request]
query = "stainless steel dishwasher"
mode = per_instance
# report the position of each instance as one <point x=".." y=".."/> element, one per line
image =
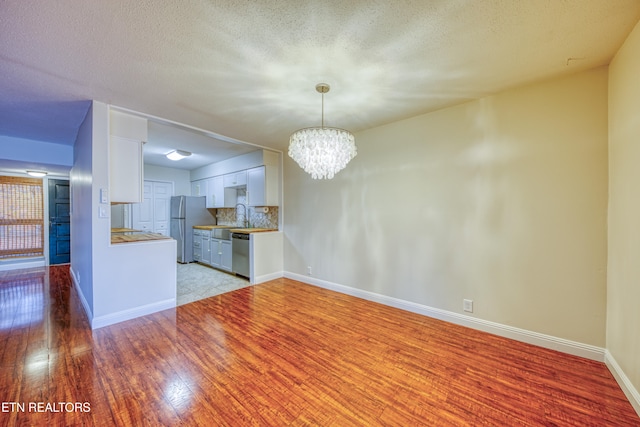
<point x="240" y="254"/>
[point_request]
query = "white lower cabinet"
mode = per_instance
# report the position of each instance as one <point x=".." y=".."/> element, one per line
<point x="211" y="251"/>
<point x="221" y="254"/>
<point x="225" y="261"/>
<point x="197" y="245"/>
<point x="206" y="248"/>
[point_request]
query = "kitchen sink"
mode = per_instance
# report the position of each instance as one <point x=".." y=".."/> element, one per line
<point x="221" y="233"/>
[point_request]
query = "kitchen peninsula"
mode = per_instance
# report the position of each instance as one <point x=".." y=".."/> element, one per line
<point x="118" y="275"/>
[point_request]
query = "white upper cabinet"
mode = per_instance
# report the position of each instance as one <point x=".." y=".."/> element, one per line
<point x="235" y="179"/>
<point x="257" y="172"/>
<point x="262" y="186"/>
<point x="215" y="194"/>
<point x="125" y="170"/>
<point x="199" y="188"/>
<point x="127" y="136"/>
<point x="218" y="196"/>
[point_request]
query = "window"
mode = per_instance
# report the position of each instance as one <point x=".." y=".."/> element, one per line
<point x="21" y="217"/>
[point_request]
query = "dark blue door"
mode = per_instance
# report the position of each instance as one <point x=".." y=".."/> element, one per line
<point x="59" y="225"/>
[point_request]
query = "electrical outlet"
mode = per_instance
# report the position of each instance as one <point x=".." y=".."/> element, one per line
<point x="309" y="270"/>
<point x="467" y="305"/>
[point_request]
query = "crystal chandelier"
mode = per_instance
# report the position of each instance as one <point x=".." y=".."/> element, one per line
<point x="322" y="151"/>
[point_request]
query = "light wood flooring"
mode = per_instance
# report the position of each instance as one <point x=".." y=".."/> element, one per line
<point x="197" y="281"/>
<point x="276" y="354"/>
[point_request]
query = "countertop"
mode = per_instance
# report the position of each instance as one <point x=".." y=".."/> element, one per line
<point x="251" y="230"/>
<point x="210" y="227"/>
<point x="124" y="230"/>
<point x="136" y="237"/>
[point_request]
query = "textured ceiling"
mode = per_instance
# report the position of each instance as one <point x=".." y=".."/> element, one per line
<point x="247" y="69"/>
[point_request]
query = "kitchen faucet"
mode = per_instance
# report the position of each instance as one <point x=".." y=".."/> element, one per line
<point x="246" y="216"/>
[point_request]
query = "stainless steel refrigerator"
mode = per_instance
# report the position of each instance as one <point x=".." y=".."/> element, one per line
<point x="187" y="211"/>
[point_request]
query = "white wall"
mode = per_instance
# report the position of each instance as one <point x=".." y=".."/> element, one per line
<point x="82" y="209"/>
<point x="36" y="152"/>
<point x="501" y="200"/>
<point x="623" y="289"/>
<point x="179" y="177"/>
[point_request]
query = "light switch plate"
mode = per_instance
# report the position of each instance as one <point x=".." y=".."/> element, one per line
<point x="104" y="195"/>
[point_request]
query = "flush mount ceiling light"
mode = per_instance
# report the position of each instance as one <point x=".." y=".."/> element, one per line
<point x="322" y="151"/>
<point x="177" y="154"/>
<point x="37" y="174"/>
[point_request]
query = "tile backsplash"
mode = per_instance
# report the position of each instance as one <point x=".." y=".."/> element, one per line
<point x="236" y="216"/>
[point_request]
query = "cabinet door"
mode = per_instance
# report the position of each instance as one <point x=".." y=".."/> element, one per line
<point x="215" y="192"/>
<point x="236" y="179"/>
<point x="197" y="245"/>
<point x="256" y="186"/>
<point x="198" y="188"/>
<point x="206" y="248"/>
<point x="225" y="256"/>
<point x="125" y="170"/>
<point x="215" y="253"/>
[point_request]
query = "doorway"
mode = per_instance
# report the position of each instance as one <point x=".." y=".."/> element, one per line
<point x="59" y="224"/>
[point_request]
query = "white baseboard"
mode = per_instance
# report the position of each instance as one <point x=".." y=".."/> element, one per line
<point x="83" y="300"/>
<point x="121" y="316"/>
<point x="16" y="265"/>
<point x="530" y="337"/>
<point x="625" y="383"/>
<point x="267" y="277"/>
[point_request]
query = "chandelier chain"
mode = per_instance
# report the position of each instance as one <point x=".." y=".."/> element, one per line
<point x="322" y="110"/>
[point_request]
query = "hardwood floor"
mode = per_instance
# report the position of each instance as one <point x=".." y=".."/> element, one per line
<point x="279" y="353"/>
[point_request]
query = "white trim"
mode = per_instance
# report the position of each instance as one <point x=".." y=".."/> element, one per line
<point x="132" y="313"/>
<point x="83" y="300"/>
<point x="625" y="383"/>
<point x="267" y="277"/>
<point x="6" y="265"/>
<point x="530" y="337"/>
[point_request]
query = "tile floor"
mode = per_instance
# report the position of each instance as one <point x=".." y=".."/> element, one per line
<point x="197" y="281"/>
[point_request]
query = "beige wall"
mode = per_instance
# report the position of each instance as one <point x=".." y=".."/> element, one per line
<point x="501" y="200"/>
<point x="623" y="293"/>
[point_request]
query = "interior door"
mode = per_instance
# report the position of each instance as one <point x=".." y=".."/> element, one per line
<point x="162" y="192"/>
<point x="59" y="224"/>
<point x="142" y="213"/>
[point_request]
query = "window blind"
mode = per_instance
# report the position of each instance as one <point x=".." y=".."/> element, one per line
<point x="21" y="217"/>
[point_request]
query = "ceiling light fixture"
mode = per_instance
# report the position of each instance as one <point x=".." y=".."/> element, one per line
<point x="322" y="151"/>
<point x="177" y="155"/>
<point x="37" y="174"/>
